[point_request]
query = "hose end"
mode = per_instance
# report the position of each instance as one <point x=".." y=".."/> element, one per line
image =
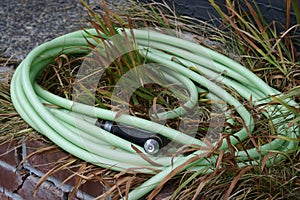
<point x="151" y="146"/>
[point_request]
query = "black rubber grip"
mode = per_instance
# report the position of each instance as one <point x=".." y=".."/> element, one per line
<point x="131" y="134"/>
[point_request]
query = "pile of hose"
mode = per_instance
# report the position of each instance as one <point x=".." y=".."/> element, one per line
<point x="53" y="116"/>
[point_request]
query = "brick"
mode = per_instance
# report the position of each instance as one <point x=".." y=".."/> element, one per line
<point x="4" y="196"/>
<point x="44" y="162"/>
<point x="92" y="188"/>
<point x="47" y="160"/>
<point x="9" y="179"/>
<point x="9" y="152"/>
<point x="46" y="190"/>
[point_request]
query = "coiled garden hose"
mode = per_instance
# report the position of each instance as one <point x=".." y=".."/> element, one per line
<point x="93" y="144"/>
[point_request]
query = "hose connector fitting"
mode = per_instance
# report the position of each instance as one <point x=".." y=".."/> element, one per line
<point x="151" y="146"/>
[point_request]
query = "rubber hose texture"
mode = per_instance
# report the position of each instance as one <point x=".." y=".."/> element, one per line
<point x="93" y="144"/>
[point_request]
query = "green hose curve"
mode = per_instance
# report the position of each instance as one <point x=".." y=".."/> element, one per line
<point x="93" y="144"/>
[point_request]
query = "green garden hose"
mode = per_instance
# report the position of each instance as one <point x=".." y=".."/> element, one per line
<point x="88" y="142"/>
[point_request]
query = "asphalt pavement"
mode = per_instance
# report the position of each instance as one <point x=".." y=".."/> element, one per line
<point x="26" y="24"/>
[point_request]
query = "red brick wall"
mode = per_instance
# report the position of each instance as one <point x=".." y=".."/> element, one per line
<point x="19" y="181"/>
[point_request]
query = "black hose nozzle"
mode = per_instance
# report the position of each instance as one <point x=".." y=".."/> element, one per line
<point x="151" y="142"/>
